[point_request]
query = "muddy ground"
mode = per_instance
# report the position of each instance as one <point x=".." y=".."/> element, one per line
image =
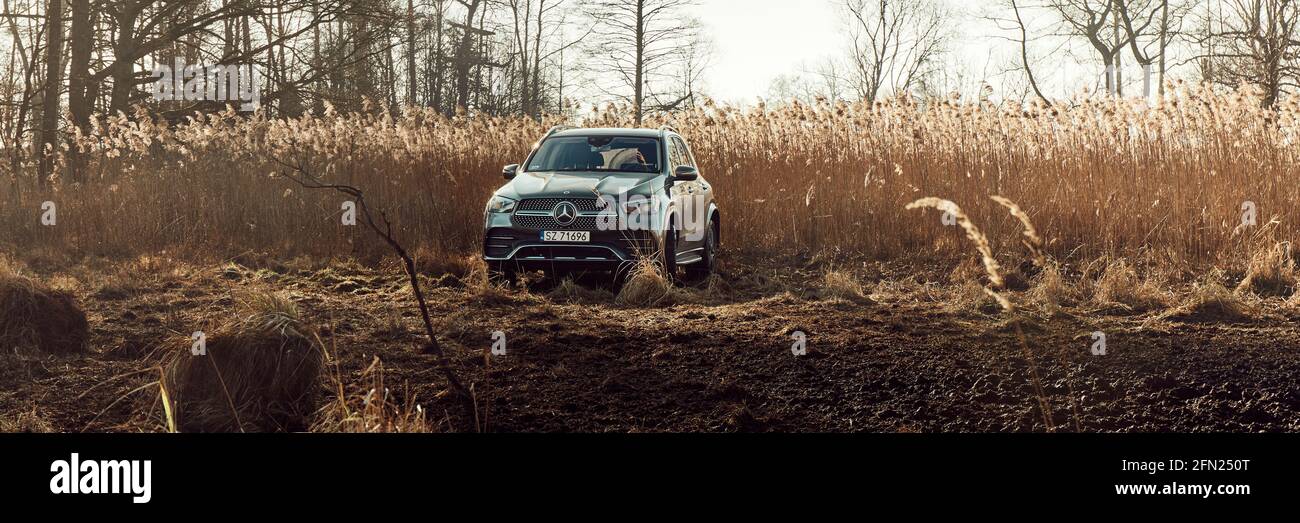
<point x="720" y="359"/>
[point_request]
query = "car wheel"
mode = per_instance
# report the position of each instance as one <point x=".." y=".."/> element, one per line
<point x="668" y="255"/>
<point x="702" y="269"/>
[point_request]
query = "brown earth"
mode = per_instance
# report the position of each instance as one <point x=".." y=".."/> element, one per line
<point x="912" y="357"/>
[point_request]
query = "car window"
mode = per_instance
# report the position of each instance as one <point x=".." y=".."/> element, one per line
<point x="597" y="153"/>
<point x="683" y="152"/>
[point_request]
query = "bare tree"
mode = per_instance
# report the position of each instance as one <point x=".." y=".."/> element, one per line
<point x="412" y="76"/>
<point x="693" y="58"/>
<point x="894" y="43"/>
<point x="1151" y="26"/>
<point x="1017" y="23"/>
<point x="81" y="40"/>
<point x="50" y="104"/>
<point x="1256" y="44"/>
<point x="538" y="37"/>
<point x="468" y="54"/>
<point x="1091" y="20"/>
<point x="635" y="45"/>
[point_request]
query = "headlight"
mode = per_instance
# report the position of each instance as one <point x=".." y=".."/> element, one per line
<point x="501" y="204"/>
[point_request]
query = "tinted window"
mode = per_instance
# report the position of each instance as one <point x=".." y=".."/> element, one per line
<point x="597" y="153"/>
<point x="685" y="154"/>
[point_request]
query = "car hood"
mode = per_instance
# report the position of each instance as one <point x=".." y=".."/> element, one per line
<point x="579" y="185"/>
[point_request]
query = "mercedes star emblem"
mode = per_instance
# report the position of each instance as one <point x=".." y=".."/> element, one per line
<point x="565" y="213"/>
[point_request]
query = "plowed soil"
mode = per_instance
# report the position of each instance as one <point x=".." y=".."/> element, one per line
<point x="717" y="359"/>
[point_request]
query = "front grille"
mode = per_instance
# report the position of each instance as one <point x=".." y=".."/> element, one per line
<point x="548" y="223"/>
<point x="547" y="204"/>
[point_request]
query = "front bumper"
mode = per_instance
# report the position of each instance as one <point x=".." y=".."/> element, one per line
<point x="511" y="242"/>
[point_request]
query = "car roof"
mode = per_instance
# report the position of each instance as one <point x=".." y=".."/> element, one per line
<point x="631" y="133"/>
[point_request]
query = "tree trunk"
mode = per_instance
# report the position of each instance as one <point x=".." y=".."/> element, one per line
<point x="639" y="90"/>
<point x="1119" y="58"/>
<point x="81" y="39"/>
<point x="1164" y="44"/>
<point x="20" y="128"/>
<point x="438" y="61"/>
<point x="50" y="106"/>
<point x="478" y="59"/>
<point x="124" y="52"/>
<point x="411" y="76"/>
<point x="463" y="51"/>
<point x="536" y="90"/>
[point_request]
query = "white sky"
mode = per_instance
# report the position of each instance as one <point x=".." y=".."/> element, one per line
<point x="757" y="40"/>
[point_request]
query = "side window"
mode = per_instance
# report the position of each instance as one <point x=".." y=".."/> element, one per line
<point x="683" y="152"/>
<point x="674" y="155"/>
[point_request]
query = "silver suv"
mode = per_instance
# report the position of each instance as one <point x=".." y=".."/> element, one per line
<point x="600" y="200"/>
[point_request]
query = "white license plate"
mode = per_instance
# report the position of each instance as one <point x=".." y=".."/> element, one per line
<point x="567" y="236"/>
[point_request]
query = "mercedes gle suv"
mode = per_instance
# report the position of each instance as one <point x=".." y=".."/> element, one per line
<point x="602" y="200"/>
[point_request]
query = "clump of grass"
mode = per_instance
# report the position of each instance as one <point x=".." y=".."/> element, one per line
<point x="36" y="317"/>
<point x="438" y="264"/>
<point x="646" y="286"/>
<point x="1210" y="301"/>
<point x="260" y="374"/>
<point x="1120" y="285"/>
<point x="716" y="287"/>
<point x="1050" y="291"/>
<point x="569" y="291"/>
<point x="488" y="291"/>
<point x="370" y="407"/>
<point x="970" y="296"/>
<point x="1270" y="272"/>
<point x="841" y="285"/>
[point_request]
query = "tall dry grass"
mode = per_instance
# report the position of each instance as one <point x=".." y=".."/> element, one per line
<point x="1115" y="178"/>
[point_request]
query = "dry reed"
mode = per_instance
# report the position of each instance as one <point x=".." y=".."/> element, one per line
<point x="1106" y="177"/>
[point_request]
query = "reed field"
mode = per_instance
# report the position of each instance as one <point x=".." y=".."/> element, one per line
<point x="1073" y="221"/>
<point x="1162" y="184"/>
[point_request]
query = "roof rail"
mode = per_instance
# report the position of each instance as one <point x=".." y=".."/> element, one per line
<point x="669" y="128"/>
<point x="559" y="128"/>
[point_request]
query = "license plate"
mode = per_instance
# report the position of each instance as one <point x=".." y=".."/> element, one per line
<point x="567" y="236"/>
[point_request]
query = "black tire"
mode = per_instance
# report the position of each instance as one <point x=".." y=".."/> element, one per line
<point x="701" y="270"/>
<point x="668" y="254"/>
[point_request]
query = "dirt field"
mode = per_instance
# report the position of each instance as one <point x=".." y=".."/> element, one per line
<point x="911" y="354"/>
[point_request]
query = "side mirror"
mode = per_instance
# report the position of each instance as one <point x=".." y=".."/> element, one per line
<point x="510" y="171"/>
<point x="686" y="173"/>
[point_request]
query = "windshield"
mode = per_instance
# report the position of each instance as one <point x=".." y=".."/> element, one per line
<point x="597" y="153"/>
